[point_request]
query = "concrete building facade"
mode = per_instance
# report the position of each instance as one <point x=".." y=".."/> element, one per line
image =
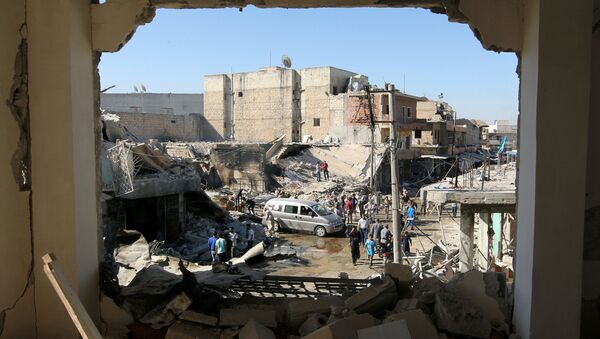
<point x="253" y="106"/>
<point x="160" y="103"/>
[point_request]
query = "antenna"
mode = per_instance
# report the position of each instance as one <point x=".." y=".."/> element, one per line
<point x="286" y="61"/>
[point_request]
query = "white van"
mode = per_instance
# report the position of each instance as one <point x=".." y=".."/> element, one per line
<point x="303" y="215"/>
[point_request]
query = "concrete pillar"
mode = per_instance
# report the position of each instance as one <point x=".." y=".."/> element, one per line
<point x="554" y="94"/>
<point x="63" y="151"/>
<point x="467" y="227"/>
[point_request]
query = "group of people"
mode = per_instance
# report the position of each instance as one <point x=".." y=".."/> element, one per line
<point x="241" y="203"/>
<point x="322" y="167"/>
<point x="222" y="245"/>
<point x="373" y="237"/>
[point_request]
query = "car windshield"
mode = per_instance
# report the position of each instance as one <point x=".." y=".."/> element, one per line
<point x="321" y="210"/>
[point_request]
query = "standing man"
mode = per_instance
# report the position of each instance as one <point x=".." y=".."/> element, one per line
<point x="211" y="245"/>
<point x="318" y="171"/>
<point x="238" y="198"/>
<point x="233" y="237"/>
<point x="376" y="231"/>
<point x="386" y="238"/>
<point x="221" y="248"/>
<point x="423" y="202"/>
<point x="349" y="211"/>
<point x="325" y="167"/>
<point x="363" y="227"/>
<point x="249" y="237"/>
<point x="361" y="205"/>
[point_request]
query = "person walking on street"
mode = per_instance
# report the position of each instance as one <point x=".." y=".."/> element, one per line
<point x="249" y="237"/>
<point x="406" y="242"/>
<point x="325" y="167"/>
<point x="349" y="211"/>
<point x="361" y="205"/>
<point x="221" y="248"/>
<point x="376" y="231"/>
<point x="386" y="239"/>
<point x="354" y="245"/>
<point x="211" y="245"/>
<point x="363" y="227"/>
<point x="318" y="171"/>
<point x="233" y="237"/>
<point x="370" y="245"/>
<point x="386" y="206"/>
<point x="410" y="215"/>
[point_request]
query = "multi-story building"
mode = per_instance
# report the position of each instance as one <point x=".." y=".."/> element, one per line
<point x="497" y="131"/>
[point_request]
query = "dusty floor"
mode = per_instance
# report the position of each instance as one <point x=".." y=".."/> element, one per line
<point x="330" y="256"/>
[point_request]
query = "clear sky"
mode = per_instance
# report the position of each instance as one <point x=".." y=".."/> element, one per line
<point x="179" y="47"/>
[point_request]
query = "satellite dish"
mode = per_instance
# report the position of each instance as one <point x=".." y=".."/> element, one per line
<point x="143" y="88"/>
<point x="286" y="61"/>
<point x="135" y="89"/>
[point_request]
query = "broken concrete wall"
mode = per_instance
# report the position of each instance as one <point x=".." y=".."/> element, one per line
<point x="240" y="166"/>
<point x="164" y="127"/>
<point x="17" y="318"/>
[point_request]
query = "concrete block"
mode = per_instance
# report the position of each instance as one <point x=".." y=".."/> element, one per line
<point x="395" y="329"/>
<point x="298" y="311"/>
<point x="344" y="328"/>
<point x="199" y="318"/>
<point x="187" y="330"/>
<point x="237" y="317"/>
<point x="312" y="323"/>
<point x="402" y="276"/>
<point x="374" y="299"/>
<point x="419" y="325"/>
<point x="255" y="330"/>
<point x="404" y="305"/>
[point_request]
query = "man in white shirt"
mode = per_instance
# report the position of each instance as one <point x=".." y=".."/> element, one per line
<point x="363" y="227"/>
<point x="249" y="237"/>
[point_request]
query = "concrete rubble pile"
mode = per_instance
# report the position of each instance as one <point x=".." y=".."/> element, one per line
<point x="188" y="304"/>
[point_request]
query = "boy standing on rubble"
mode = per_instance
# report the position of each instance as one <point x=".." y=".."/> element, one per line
<point x="233" y="237"/>
<point x="211" y="245"/>
<point x="221" y="248"/>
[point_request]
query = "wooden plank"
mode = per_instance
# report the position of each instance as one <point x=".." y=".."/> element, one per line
<point x="81" y="319"/>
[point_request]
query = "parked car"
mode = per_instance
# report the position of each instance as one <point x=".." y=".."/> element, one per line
<point x="303" y="215"/>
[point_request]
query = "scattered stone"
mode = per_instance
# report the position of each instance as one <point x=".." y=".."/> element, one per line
<point x="237" y="317"/>
<point x="188" y="330"/>
<point x="419" y="325"/>
<point x="255" y="330"/>
<point x="455" y="314"/>
<point x="115" y="318"/>
<point x="344" y="328"/>
<point x="298" y="311"/>
<point x="395" y="329"/>
<point x="162" y="316"/>
<point x="425" y="289"/>
<point x="375" y="298"/>
<point x="199" y="318"/>
<point x="337" y="312"/>
<point x="312" y="323"/>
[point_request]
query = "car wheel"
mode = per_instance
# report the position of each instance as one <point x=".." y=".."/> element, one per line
<point x="320" y="231"/>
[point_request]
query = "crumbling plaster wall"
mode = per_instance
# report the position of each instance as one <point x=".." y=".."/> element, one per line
<point x="17" y="316"/>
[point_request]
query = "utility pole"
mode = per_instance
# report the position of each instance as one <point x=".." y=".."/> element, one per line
<point x="372" y="122"/>
<point x="394" y="171"/>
